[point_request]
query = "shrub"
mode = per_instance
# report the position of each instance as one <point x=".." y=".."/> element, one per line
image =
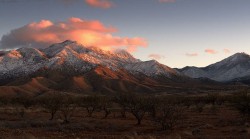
<point x="199" y="103"/>
<point x="214" y="99"/>
<point x="199" y="107"/>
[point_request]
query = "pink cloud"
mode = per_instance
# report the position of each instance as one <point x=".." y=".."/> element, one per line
<point x="88" y="32"/>
<point x="226" y="51"/>
<point x="192" y="54"/>
<point x="167" y="1"/>
<point x="105" y="4"/>
<point x="41" y="24"/>
<point x="211" y="51"/>
<point x="156" y="56"/>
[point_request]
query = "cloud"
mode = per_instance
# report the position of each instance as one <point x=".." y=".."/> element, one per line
<point x="226" y="51"/>
<point x="105" y="4"/>
<point x="191" y="54"/>
<point x="167" y="1"/>
<point x="87" y="32"/>
<point x="156" y="56"/>
<point x="211" y="51"/>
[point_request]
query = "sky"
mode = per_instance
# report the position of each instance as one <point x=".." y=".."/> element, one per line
<point x="177" y="33"/>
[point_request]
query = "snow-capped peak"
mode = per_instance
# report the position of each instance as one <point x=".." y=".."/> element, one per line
<point x="239" y="57"/>
<point x="68" y="42"/>
<point x="231" y="61"/>
<point x="123" y="52"/>
<point x="151" y="68"/>
<point x="59" y="47"/>
<point x="30" y="52"/>
<point x="77" y="57"/>
<point x="235" y="66"/>
<point x="153" y="62"/>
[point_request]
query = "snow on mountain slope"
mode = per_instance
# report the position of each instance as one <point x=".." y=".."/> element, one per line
<point x="74" y="54"/>
<point x="56" y="49"/>
<point x="21" y="61"/>
<point x="69" y="55"/>
<point x="194" y="72"/>
<point x="235" y="66"/>
<point x="151" y="68"/>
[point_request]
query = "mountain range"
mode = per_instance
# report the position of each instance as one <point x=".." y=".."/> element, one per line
<point x="232" y="68"/>
<point x="70" y="66"/>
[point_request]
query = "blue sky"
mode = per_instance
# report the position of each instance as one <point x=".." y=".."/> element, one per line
<point x="177" y="33"/>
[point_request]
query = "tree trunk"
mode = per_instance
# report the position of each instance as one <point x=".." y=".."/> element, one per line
<point x="66" y="121"/>
<point x="90" y="111"/>
<point x="52" y="116"/>
<point x="123" y="113"/>
<point x="139" y="121"/>
<point x="107" y="112"/>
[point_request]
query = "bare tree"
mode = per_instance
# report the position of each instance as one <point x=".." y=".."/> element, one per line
<point x="52" y="103"/>
<point x="68" y="107"/>
<point x="90" y="103"/>
<point x="199" y="102"/>
<point x="135" y="104"/>
<point x="106" y="105"/>
<point x="4" y="101"/>
<point x="168" y="115"/>
<point x="22" y="103"/>
<point x="242" y="103"/>
<point x="214" y="99"/>
<point x="121" y="99"/>
<point x="138" y="107"/>
<point x="152" y="104"/>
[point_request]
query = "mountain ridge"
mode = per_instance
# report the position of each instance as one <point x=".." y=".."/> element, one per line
<point x="68" y="64"/>
<point x="230" y="68"/>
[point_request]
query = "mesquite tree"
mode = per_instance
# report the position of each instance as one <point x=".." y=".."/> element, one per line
<point x="90" y="103"/>
<point x="137" y="105"/>
<point x="168" y="115"/>
<point x="52" y="103"/>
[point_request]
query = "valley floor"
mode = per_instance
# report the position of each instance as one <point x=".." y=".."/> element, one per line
<point x="220" y="122"/>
